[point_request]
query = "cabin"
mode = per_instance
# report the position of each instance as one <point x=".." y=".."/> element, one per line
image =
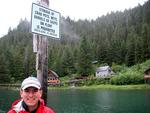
<point x="104" y="72"/>
<point x="53" y="78"/>
<point x="147" y="75"/>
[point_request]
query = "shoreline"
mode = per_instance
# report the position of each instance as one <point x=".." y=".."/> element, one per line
<point x="102" y="86"/>
<point x="107" y="86"/>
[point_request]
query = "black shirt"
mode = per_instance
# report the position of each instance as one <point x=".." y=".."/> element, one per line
<point x="26" y="107"/>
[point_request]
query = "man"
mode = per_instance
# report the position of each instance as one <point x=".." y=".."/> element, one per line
<point x="30" y="101"/>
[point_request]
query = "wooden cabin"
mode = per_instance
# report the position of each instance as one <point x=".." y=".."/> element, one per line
<point x="53" y="78"/>
<point x="147" y="75"/>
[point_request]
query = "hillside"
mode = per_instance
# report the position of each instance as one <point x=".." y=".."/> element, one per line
<point x="120" y="38"/>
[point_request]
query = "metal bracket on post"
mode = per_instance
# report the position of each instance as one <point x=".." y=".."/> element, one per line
<point x="38" y="61"/>
<point x="35" y="43"/>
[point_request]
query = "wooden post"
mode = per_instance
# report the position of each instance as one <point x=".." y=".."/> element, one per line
<point x="42" y="72"/>
<point x="42" y="58"/>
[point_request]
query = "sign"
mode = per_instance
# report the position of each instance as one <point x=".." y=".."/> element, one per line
<point x="45" y="21"/>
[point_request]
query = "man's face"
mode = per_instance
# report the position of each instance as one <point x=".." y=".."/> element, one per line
<point x="31" y="96"/>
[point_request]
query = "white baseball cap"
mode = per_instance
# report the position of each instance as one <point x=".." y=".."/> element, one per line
<point x="31" y="82"/>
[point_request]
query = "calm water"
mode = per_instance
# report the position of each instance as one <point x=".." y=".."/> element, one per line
<point x="88" y="101"/>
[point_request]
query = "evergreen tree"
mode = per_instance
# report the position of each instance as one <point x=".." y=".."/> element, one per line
<point x="4" y="70"/>
<point x="84" y="58"/>
<point x="67" y="63"/>
<point x="130" y="47"/>
<point x="146" y="40"/>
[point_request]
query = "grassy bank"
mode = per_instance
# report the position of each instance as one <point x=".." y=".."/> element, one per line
<point x="106" y="86"/>
<point x="113" y="87"/>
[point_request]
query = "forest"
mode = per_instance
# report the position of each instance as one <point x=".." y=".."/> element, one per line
<point x="118" y="38"/>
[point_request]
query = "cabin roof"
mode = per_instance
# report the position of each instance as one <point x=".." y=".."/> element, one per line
<point x="52" y="72"/>
<point x="146" y="71"/>
<point x="103" y="68"/>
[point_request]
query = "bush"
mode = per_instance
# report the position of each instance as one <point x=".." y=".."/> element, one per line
<point x="129" y="77"/>
<point x="118" y="68"/>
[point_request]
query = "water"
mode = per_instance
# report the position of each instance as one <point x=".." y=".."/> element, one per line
<point x="88" y="101"/>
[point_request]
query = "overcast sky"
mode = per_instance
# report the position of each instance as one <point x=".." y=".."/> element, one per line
<point x="11" y="11"/>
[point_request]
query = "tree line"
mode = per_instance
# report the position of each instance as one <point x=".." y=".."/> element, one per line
<point x="120" y="38"/>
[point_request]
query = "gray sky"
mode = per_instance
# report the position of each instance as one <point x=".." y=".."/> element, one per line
<point x="13" y="10"/>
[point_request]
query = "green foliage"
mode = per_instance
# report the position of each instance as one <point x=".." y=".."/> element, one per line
<point x="67" y="63"/>
<point x="132" y="75"/>
<point x="118" y="68"/>
<point x="127" y="78"/>
<point x="84" y="58"/>
<point x="119" y="37"/>
<point x="4" y="71"/>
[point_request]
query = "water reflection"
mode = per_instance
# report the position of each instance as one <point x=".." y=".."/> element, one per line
<point x="88" y="101"/>
<point x="6" y="98"/>
<point x="99" y="101"/>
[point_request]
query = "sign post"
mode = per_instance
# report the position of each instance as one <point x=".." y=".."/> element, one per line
<point x="44" y="23"/>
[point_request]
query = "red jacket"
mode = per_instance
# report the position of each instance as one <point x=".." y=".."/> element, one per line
<point x="18" y="108"/>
